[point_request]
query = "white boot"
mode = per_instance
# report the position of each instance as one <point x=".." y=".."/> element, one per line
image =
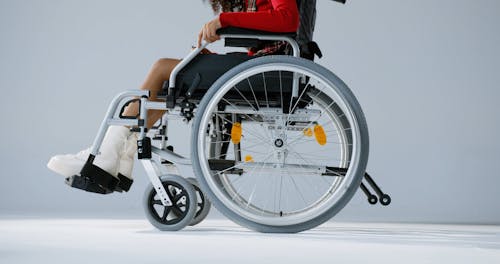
<point x="128" y="156"/>
<point x="107" y="159"/>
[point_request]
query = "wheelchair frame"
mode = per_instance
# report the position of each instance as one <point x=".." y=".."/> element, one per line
<point x="152" y="157"/>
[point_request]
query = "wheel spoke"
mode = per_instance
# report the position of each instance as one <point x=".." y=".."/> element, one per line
<point x="177" y="211"/>
<point x="156" y="202"/>
<point x="253" y="93"/>
<point x="244" y="98"/>
<point x="177" y="197"/>
<point x="166" y="211"/>
<point x="265" y="89"/>
<point x="296" y="103"/>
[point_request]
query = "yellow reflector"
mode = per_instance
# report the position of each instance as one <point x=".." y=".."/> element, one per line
<point x="248" y="158"/>
<point x="319" y="134"/>
<point x="308" y="132"/>
<point x="236" y="133"/>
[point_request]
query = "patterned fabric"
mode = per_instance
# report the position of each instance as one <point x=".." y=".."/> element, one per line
<point x="267" y="47"/>
<point x="270" y="48"/>
<point x="252" y="6"/>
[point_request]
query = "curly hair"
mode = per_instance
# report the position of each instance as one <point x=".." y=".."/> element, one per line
<point x="226" y="5"/>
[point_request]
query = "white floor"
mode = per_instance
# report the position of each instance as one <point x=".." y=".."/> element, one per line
<point x="214" y="241"/>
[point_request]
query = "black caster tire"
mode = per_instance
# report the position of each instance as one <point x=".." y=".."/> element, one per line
<point x="177" y="216"/>
<point x="386" y="200"/>
<point x="203" y="204"/>
<point x="372" y="199"/>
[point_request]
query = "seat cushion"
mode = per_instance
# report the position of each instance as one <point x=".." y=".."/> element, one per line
<point x="206" y="69"/>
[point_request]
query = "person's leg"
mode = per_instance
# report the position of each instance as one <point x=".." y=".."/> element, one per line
<point x="119" y="145"/>
<point x="160" y="72"/>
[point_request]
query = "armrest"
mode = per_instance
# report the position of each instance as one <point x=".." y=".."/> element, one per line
<point x="249" y="38"/>
<point x="250" y="32"/>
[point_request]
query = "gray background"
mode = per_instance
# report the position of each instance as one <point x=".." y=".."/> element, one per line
<point x="425" y="73"/>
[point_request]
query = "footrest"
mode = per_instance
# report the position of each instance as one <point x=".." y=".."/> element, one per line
<point x="99" y="176"/>
<point x="84" y="183"/>
<point x="96" y="180"/>
<point x="124" y="184"/>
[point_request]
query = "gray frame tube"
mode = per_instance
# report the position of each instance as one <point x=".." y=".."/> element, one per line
<point x="170" y="156"/>
<point x="291" y="41"/>
<point x="183" y="63"/>
<point x="150" y="167"/>
<point x="109" y="120"/>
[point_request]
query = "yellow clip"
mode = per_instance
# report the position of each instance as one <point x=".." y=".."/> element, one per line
<point x="236" y="133"/>
<point x="248" y="158"/>
<point x="308" y="132"/>
<point x="319" y="134"/>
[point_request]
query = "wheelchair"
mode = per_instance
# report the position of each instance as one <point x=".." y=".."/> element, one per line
<point x="279" y="143"/>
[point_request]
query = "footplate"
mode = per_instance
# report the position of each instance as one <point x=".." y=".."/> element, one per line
<point x="96" y="180"/>
<point x="84" y="183"/>
<point x="124" y="184"/>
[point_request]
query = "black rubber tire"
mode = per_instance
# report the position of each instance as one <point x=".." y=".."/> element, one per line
<point x="372" y="199"/>
<point x="385" y="200"/>
<point x="191" y="204"/>
<point x="203" y="204"/>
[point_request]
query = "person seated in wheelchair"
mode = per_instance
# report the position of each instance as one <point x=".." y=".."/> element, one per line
<point x="120" y="144"/>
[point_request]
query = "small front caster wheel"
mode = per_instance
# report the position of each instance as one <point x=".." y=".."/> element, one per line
<point x="203" y="204"/>
<point x="385" y="200"/>
<point x="183" y="208"/>
<point x="373" y="199"/>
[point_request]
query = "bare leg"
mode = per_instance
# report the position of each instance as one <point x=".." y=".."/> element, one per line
<point x="159" y="73"/>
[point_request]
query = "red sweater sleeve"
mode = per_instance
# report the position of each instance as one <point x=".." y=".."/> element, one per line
<point x="283" y="17"/>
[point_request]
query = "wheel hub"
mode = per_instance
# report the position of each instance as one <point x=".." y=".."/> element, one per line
<point x="279" y="143"/>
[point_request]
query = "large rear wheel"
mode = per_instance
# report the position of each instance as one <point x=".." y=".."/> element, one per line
<point x="273" y="162"/>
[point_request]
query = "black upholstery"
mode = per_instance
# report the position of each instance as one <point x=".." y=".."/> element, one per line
<point x="205" y="69"/>
<point x="248" y="42"/>
<point x="201" y="73"/>
<point x="244" y="31"/>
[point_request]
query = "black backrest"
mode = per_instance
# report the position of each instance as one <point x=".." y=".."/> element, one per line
<point x="307" y="12"/>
